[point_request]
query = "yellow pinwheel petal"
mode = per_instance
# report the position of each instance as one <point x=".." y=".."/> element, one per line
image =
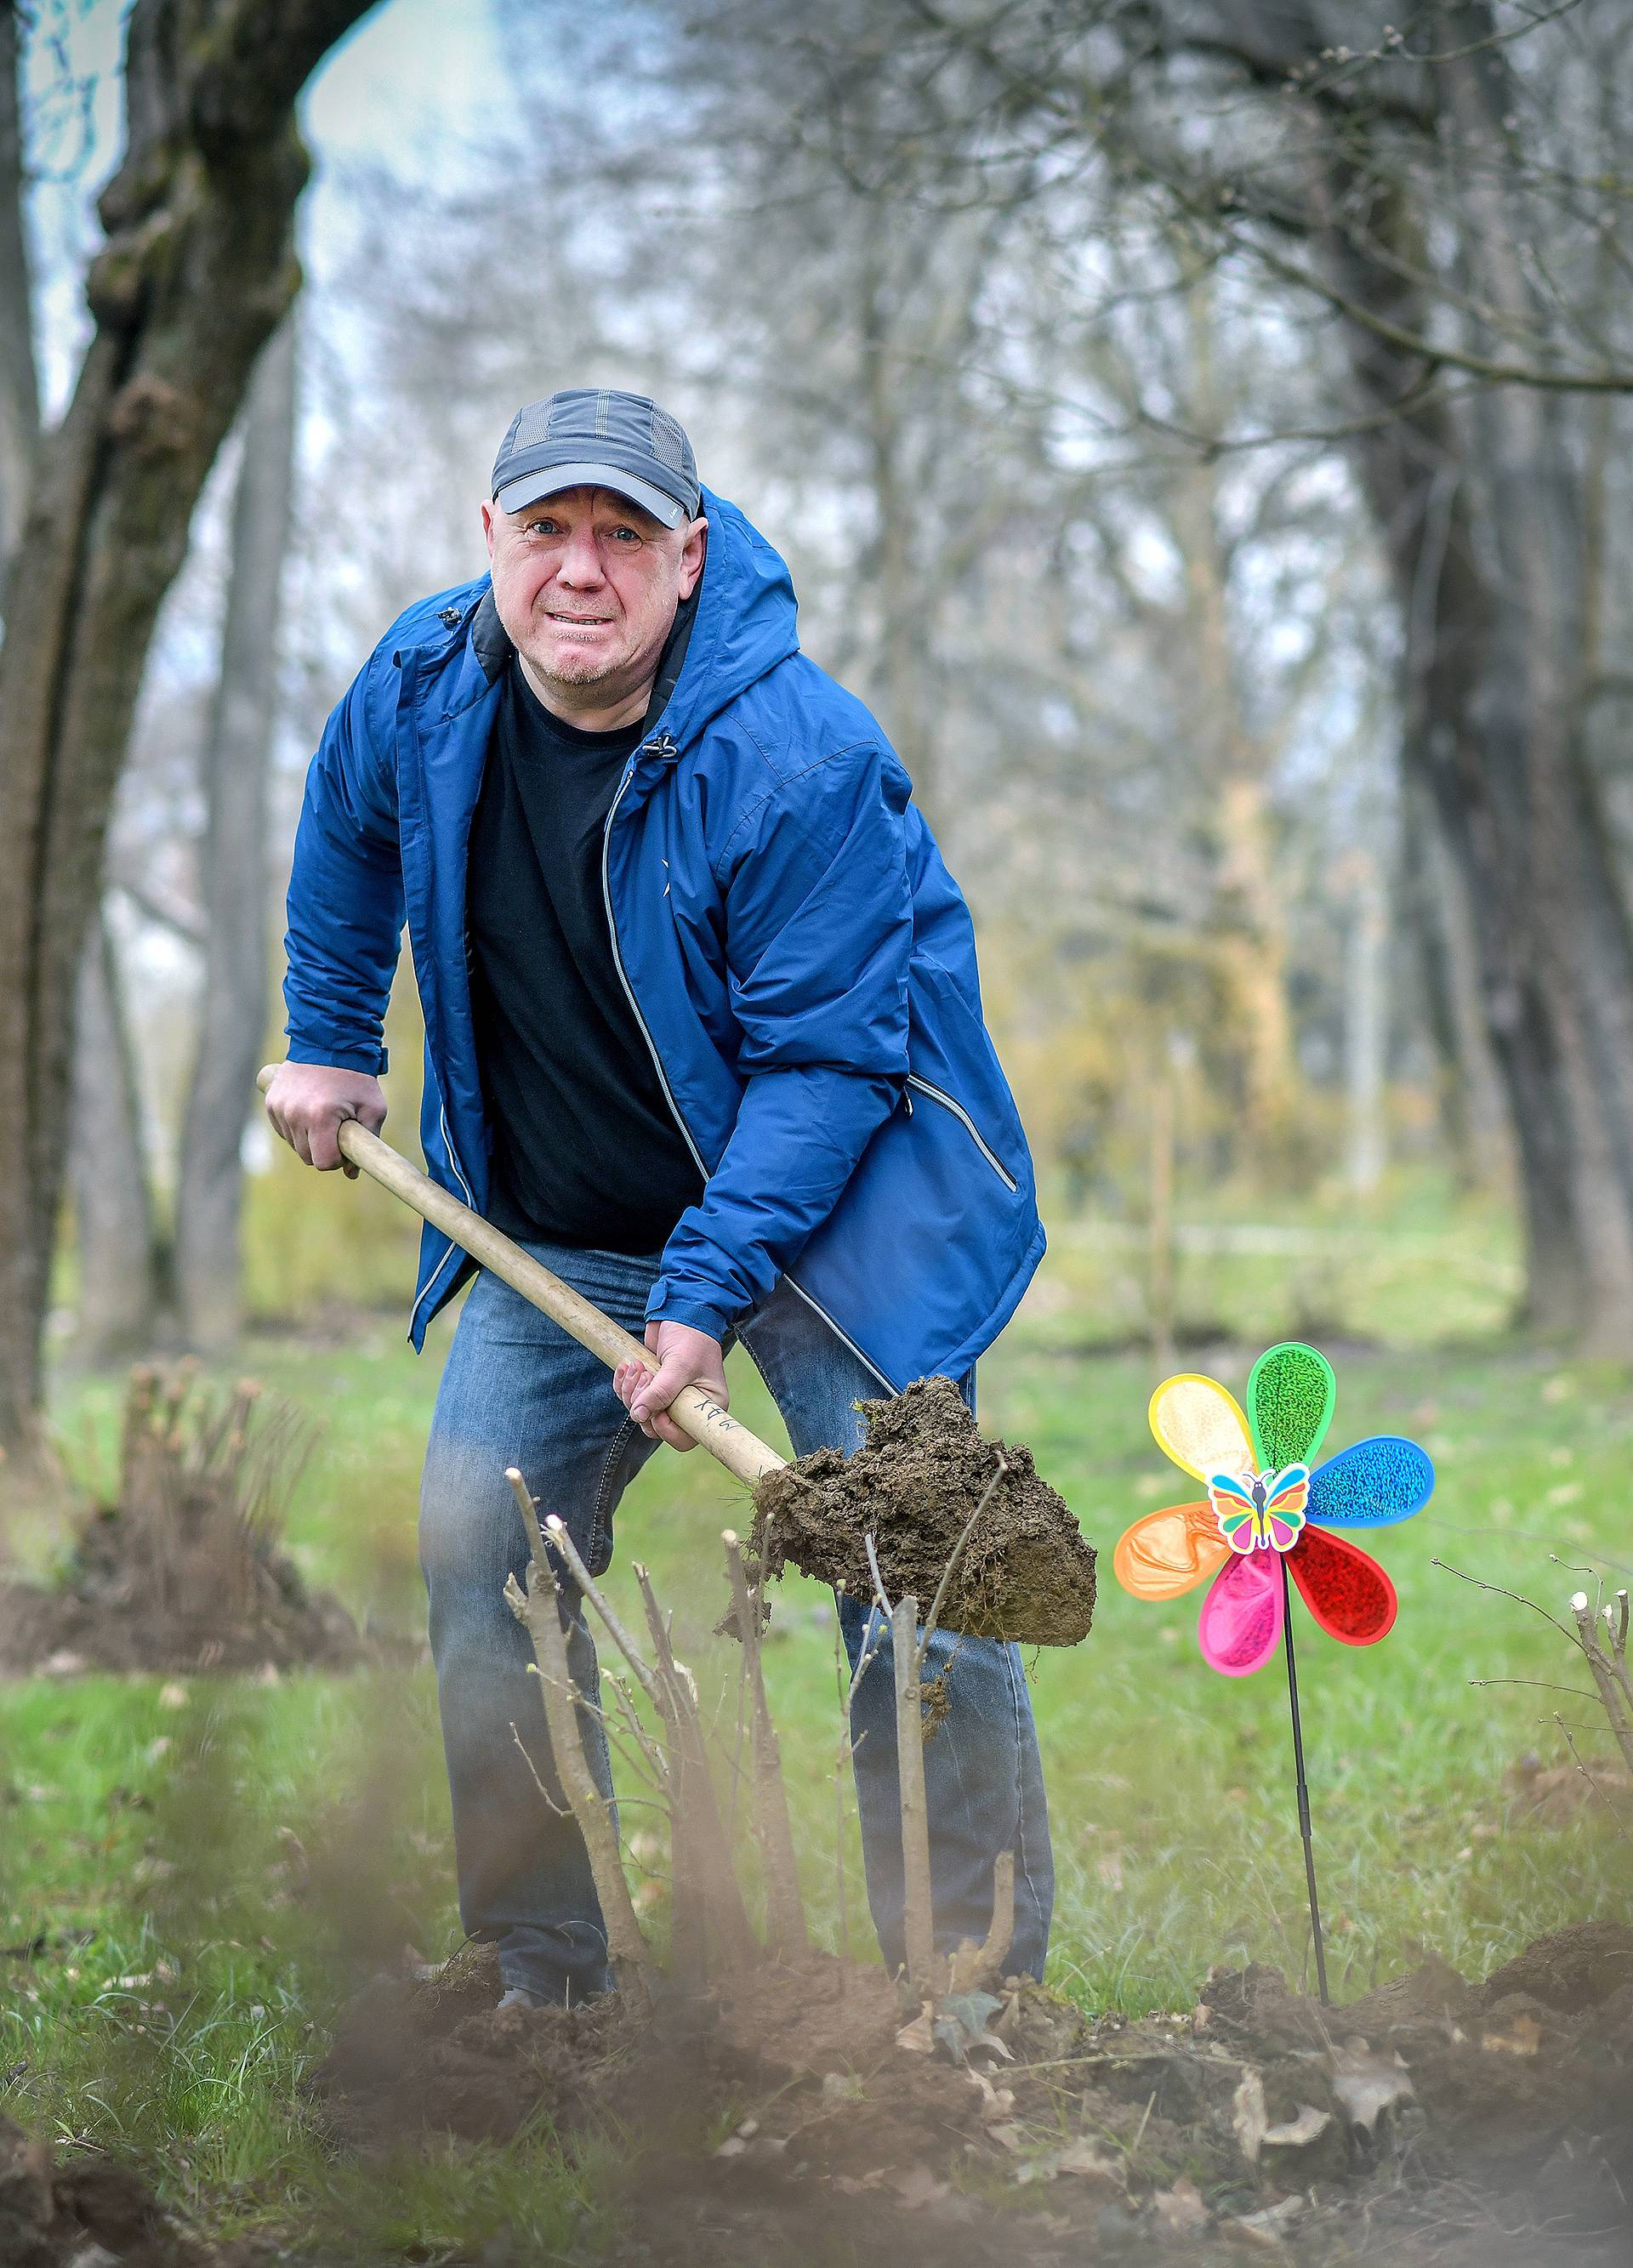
<point x="1200" y="1426"/>
<point x="1168" y="1552"/>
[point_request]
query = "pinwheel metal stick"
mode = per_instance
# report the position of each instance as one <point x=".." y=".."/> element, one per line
<point x="1303" y="1788"/>
<point x="1268" y="1522"/>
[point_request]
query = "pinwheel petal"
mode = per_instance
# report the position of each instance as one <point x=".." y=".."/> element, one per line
<point x="1168" y="1552"/>
<point x="1242" y="1615"/>
<point x="1200" y="1426"/>
<point x="1371" y="1485"/>
<point x="1344" y="1586"/>
<point x="1289" y="1402"/>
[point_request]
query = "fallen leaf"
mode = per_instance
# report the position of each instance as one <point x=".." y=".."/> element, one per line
<point x="1267" y="2229"/>
<point x="1249" y="2119"/>
<point x="1180" y="2210"/>
<point x="1523" y="2037"/>
<point x="1108" y="1866"/>
<point x="1296" y="2133"/>
<point x="1087" y="2159"/>
<point x="960" y="2024"/>
<point x="917" y="2186"/>
<point x="172" y="1695"/>
<point x="1365" y="2085"/>
<point x="919" y="2037"/>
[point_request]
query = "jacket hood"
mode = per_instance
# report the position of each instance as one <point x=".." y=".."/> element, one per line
<point x="745" y="622"/>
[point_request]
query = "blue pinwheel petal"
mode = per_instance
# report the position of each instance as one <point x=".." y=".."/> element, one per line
<point x="1372" y="1484"/>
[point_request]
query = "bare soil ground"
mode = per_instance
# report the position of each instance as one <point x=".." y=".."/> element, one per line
<point x="84" y="2211"/>
<point x="806" y="2114"/>
<point x="103" y="1615"/>
<point x="1025" y="1573"/>
<point x="183" y="1571"/>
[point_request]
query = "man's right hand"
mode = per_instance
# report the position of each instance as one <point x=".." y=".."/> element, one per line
<point x="307" y="1103"/>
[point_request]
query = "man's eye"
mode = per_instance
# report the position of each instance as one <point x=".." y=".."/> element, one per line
<point x="627" y="534"/>
<point x="540" y="527"/>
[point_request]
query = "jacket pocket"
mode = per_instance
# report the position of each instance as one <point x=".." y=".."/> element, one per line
<point x="953" y="1067"/>
<point x="950" y="1102"/>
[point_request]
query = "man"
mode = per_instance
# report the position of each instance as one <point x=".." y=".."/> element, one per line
<point x="703" y="1032"/>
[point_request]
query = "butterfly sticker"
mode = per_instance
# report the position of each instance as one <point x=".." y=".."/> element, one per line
<point x="1260" y="1511"/>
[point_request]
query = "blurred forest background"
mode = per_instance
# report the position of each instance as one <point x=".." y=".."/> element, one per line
<point x="1200" y="432"/>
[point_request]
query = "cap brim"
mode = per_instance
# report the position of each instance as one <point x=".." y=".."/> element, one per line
<point x="518" y="493"/>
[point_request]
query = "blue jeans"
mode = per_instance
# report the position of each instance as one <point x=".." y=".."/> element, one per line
<point x="516" y="1390"/>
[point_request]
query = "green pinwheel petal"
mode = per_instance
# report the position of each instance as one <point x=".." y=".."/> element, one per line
<point x="1289" y="1404"/>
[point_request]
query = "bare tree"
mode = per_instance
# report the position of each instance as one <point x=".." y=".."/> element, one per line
<point x="196" y="272"/>
<point x="233" y="1007"/>
<point x="1444" y="196"/>
<point x="122" y="1256"/>
<point x="19" y="396"/>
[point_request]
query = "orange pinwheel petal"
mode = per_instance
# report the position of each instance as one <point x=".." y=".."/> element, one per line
<point x="1168" y="1552"/>
<point x="1200" y="1424"/>
<point x="1344" y="1586"/>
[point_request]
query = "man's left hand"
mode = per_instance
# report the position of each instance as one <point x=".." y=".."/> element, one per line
<point x="685" y="1358"/>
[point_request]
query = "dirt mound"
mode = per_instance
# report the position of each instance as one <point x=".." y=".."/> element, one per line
<point x="87" y="2210"/>
<point x="1026" y="1572"/>
<point x="184" y="1571"/>
<point x="1574" y="1969"/>
<point x="1431" y="2121"/>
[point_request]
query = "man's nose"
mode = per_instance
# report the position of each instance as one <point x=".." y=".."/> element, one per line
<point x="580" y="560"/>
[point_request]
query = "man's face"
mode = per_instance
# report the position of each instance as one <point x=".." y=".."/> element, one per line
<point x="587" y="585"/>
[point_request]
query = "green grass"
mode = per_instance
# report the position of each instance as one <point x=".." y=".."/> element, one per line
<point x="243" y="1853"/>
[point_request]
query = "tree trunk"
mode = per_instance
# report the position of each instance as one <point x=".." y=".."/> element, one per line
<point x="232" y="1013"/>
<point x="19" y="393"/>
<point x="1482" y="519"/>
<point x="198" y="270"/>
<point x="121" y="1264"/>
<point x="1366" y="1029"/>
<point x="1492" y="696"/>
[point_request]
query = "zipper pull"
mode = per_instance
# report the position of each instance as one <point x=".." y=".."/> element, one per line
<point x="663" y="747"/>
<point x="451" y="615"/>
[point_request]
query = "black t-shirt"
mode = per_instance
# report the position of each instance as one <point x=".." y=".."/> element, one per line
<point x="585" y="1150"/>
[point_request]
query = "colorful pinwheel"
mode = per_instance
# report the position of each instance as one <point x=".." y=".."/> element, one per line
<point x="1266" y="1511"/>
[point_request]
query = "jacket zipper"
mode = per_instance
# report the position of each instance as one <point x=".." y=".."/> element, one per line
<point x="617" y="962"/>
<point x="442" y="1120"/>
<point x="938" y="1094"/>
<point x="668" y="1095"/>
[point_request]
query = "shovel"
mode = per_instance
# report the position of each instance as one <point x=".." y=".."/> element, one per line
<point x="695" y="1412"/>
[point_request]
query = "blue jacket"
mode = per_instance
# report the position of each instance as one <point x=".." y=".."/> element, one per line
<point x="801" y="960"/>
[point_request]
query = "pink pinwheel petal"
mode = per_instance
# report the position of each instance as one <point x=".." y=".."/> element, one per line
<point x="1242" y="1615"/>
<point x="1344" y="1586"/>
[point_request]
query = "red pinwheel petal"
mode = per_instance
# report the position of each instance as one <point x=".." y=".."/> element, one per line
<point x="1344" y="1586"/>
<point x="1242" y="1615"/>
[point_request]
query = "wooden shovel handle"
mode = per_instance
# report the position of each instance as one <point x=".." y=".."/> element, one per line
<point x="695" y="1412"/>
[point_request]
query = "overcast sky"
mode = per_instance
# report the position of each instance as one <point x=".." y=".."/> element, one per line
<point x="416" y="88"/>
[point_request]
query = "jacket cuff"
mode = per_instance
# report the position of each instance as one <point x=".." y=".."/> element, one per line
<point x="699" y="1314"/>
<point x="373" y="1060"/>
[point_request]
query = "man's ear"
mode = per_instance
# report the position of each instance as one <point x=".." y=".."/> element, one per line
<point x="489" y="521"/>
<point x="692" y="554"/>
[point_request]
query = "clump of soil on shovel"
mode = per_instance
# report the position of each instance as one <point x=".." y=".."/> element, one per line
<point x="1025" y="1572"/>
<point x="184" y="1571"/>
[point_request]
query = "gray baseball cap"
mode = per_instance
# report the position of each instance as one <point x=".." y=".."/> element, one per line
<point x="587" y="438"/>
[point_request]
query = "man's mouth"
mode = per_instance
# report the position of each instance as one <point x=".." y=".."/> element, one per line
<point x="583" y="622"/>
